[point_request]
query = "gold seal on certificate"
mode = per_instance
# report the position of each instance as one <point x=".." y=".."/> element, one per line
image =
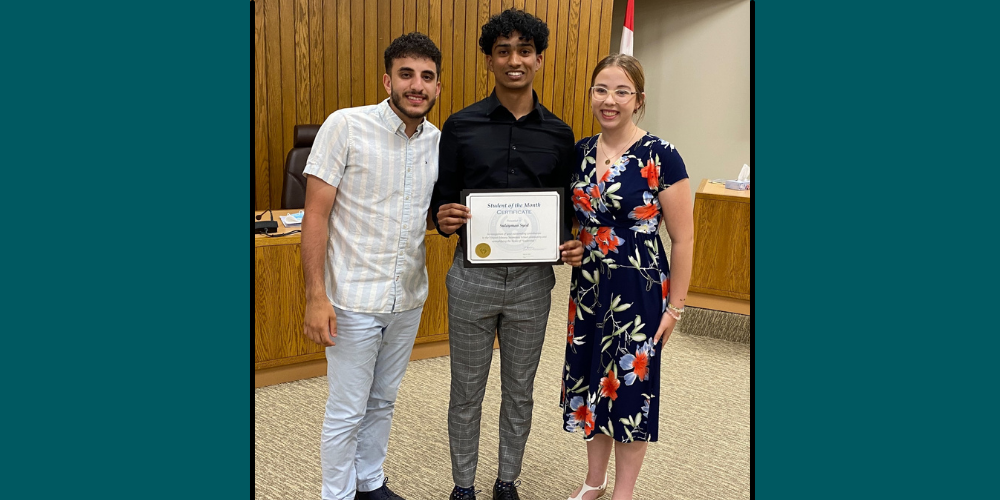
<point x="513" y="227"/>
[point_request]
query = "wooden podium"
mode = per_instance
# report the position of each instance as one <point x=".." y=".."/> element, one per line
<point x="282" y="353"/>
<point x="722" y="276"/>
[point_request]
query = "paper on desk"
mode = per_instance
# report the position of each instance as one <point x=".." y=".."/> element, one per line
<point x="292" y="219"/>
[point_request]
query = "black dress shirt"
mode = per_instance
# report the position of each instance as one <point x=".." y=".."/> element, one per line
<point x="484" y="147"/>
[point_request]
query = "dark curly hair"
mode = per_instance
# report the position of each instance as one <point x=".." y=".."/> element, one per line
<point x="503" y="24"/>
<point x="413" y="44"/>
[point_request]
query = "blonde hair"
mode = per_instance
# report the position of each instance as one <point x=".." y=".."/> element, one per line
<point x="633" y="69"/>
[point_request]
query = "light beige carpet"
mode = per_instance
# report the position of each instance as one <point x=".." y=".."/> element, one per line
<point x="703" y="451"/>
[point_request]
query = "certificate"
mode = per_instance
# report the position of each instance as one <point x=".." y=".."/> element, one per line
<point x="513" y="227"/>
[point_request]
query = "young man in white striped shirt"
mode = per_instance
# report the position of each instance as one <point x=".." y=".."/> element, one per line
<point x="370" y="175"/>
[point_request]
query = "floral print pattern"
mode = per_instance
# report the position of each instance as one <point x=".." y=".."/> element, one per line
<point x="611" y="379"/>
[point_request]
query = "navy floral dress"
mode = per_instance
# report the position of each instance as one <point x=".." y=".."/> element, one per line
<point x="611" y="380"/>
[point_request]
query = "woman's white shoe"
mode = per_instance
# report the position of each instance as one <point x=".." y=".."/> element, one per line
<point x="586" y="489"/>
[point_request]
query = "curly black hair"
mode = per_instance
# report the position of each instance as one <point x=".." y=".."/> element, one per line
<point x="503" y="24"/>
<point x="413" y="44"/>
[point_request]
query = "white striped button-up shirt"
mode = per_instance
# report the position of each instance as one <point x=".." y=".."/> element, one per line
<point x="384" y="180"/>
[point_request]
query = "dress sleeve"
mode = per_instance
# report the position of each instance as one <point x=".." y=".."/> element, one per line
<point x="671" y="164"/>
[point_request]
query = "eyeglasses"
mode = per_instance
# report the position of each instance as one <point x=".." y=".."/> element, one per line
<point x="601" y="93"/>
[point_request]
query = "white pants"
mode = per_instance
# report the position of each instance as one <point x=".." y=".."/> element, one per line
<point x="364" y="370"/>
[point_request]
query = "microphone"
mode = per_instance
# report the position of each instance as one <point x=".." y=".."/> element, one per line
<point x="265" y="226"/>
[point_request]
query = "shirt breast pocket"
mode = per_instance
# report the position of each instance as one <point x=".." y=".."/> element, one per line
<point x="540" y="161"/>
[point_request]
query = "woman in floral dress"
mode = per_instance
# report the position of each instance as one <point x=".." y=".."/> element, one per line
<point x="624" y="298"/>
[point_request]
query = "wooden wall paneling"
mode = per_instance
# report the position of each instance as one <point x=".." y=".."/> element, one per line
<point x="572" y="56"/>
<point x="370" y="47"/>
<point x="303" y="108"/>
<point x="449" y="30"/>
<point x="529" y="7"/>
<point x="409" y="16"/>
<point x="434" y="318"/>
<point x="560" y="55"/>
<point x="330" y="60"/>
<point x="604" y="47"/>
<point x="275" y="135"/>
<point x="507" y="4"/>
<point x="317" y="93"/>
<point x="470" y="71"/>
<point x="260" y="122"/>
<point x="286" y="13"/>
<point x="456" y="89"/>
<point x="582" y="49"/>
<point x="384" y="38"/>
<point x="482" y="78"/>
<point x="519" y="4"/>
<point x="596" y="13"/>
<point x="422" y="7"/>
<point x="343" y="54"/>
<point x="357" y="67"/>
<point x="496" y="6"/>
<point x="396" y="18"/>
<point x="434" y="32"/>
<point x="371" y="73"/>
<point x="551" y="18"/>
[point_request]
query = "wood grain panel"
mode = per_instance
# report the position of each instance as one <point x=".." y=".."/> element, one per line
<point x="453" y="94"/>
<point x="582" y="48"/>
<point x="409" y="16"/>
<point x="279" y="305"/>
<point x="470" y="72"/>
<point x="551" y="18"/>
<point x="559" y="54"/>
<point x="303" y="108"/>
<point x="343" y="54"/>
<point x="722" y="248"/>
<point x="434" y="319"/>
<point x="371" y="80"/>
<point x="448" y="33"/>
<point x="317" y="94"/>
<point x="261" y="121"/>
<point x="592" y="52"/>
<point x="286" y="12"/>
<point x="384" y="38"/>
<point x="272" y="28"/>
<point x="357" y="68"/>
<point x="482" y="79"/>
<point x="330" y="60"/>
<point x="434" y="32"/>
<point x="396" y="18"/>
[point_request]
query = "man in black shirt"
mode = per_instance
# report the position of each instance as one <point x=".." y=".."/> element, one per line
<point x="508" y="140"/>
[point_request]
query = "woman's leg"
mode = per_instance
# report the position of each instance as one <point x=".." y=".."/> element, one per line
<point x="628" y="462"/>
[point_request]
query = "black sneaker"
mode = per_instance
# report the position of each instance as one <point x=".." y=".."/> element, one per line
<point x="383" y="493"/>
<point x="506" y="491"/>
<point x="462" y="494"/>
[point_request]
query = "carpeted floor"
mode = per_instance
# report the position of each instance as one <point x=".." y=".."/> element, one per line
<point x="703" y="452"/>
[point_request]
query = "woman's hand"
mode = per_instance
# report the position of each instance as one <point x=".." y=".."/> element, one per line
<point x="667" y="324"/>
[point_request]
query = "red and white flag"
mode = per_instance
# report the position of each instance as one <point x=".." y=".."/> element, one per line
<point x="628" y="30"/>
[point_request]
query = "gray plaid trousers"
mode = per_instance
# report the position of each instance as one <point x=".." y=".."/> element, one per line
<point x="513" y="304"/>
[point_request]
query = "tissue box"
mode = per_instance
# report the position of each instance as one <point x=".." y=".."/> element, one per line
<point x="738" y="185"/>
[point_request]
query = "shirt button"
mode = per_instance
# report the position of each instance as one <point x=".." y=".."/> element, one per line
<point x="512" y="170"/>
<point x="513" y="146"/>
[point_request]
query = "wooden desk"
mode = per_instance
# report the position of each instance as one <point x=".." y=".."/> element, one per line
<point x="281" y="352"/>
<point x="722" y="276"/>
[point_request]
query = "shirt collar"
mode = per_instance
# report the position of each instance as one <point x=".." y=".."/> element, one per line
<point x="393" y="121"/>
<point x="492" y="103"/>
